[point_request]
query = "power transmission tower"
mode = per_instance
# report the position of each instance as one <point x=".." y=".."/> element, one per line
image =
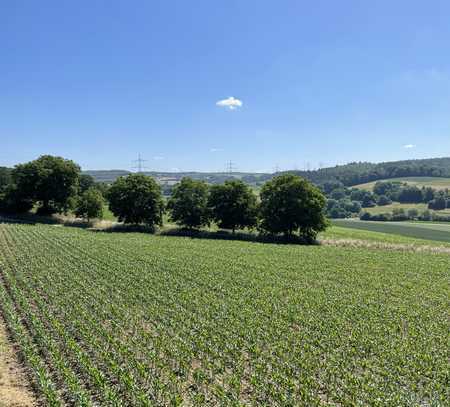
<point x="277" y="168"/>
<point x="230" y="167"/>
<point x="139" y="164"/>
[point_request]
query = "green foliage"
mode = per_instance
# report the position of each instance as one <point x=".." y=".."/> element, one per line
<point x="383" y="200"/>
<point x="428" y="194"/>
<point x="342" y="209"/>
<point x="233" y="205"/>
<point x="141" y="320"/>
<point x="136" y="199"/>
<point x="289" y="204"/>
<point x="410" y="194"/>
<point x="368" y="201"/>
<point x="51" y="182"/>
<point x="5" y="178"/>
<point x="364" y="172"/>
<point x="188" y="205"/>
<point x="12" y="201"/>
<point x="90" y="204"/>
<point x="86" y="181"/>
<point x="438" y="204"/>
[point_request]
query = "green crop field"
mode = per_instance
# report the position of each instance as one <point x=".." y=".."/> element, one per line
<point x="419" y="230"/>
<point x="130" y="319"/>
<point x="434" y="182"/>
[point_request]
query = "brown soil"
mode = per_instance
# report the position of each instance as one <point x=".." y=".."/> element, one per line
<point x="15" y="389"/>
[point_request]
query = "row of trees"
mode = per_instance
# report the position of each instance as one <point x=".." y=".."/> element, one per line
<point x="404" y="193"/>
<point x="288" y="205"/>
<point x="400" y="214"/>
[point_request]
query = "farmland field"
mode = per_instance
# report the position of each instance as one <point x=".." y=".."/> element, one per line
<point x="135" y="319"/>
<point x="433" y="182"/>
<point x="396" y="205"/>
<point x="420" y="230"/>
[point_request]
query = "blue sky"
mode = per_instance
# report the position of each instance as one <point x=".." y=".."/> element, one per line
<point x="320" y="82"/>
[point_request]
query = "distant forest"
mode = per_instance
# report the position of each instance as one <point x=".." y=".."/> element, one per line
<point x="349" y="174"/>
<point x="362" y="172"/>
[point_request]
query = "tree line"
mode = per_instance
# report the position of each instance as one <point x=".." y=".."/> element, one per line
<point x="362" y="172"/>
<point x="287" y="205"/>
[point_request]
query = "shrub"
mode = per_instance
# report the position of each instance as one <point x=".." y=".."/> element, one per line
<point x="365" y="216"/>
<point x="413" y="213"/>
<point x="437" y="204"/>
<point x="383" y="200"/>
<point x="89" y="204"/>
<point x="368" y="201"/>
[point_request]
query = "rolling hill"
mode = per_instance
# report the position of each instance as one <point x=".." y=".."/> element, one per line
<point x="433" y="182"/>
<point x="351" y="174"/>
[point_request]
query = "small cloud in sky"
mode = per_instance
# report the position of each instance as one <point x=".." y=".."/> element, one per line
<point x="158" y="157"/>
<point x="175" y="169"/>
<point x="215" y="150"/>
<point x="409" y="146"/>
<point x="229" y="103"/>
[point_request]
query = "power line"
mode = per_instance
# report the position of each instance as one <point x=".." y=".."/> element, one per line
<point x="139" y="164"/>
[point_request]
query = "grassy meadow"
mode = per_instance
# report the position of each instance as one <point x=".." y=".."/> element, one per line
<point x="137" y="319"/>
<point x="433" y="182"/>
<point x="397" y="205"/>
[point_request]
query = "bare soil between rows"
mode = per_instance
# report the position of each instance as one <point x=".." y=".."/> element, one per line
<point x="15" y="388"/>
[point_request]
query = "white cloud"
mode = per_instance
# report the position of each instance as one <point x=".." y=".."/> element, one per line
<point x="158" y="157"/>
<point x="230" y="103"/>
<point x="409" y="146"/>
<point x="215" y="150"/>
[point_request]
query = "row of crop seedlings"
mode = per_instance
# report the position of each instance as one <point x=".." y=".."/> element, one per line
<point x="100" y="349"/>
<point x="87" y="331"/>
<point x="88" y="328"/>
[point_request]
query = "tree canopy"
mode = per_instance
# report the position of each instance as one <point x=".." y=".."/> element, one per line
<point x="188" y="205"/>
<point x="50" y="182"/>
<point x="89" y="204"/>
<point x="233" y="205"/>
<point x="136" y="199"/>
<point x="292" y="204"/>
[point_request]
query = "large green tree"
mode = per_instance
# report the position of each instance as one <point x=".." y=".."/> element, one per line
<point x="50" y="182"/>
<point x="291" y="204"/>
<point x="89" y="204"/>
<point x="136" y="199"/>
<point x="233" y="205"/>
<point x="188" y="205"/>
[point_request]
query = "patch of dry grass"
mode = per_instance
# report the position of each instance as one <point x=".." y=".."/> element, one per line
<point x="371" y="244"/>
